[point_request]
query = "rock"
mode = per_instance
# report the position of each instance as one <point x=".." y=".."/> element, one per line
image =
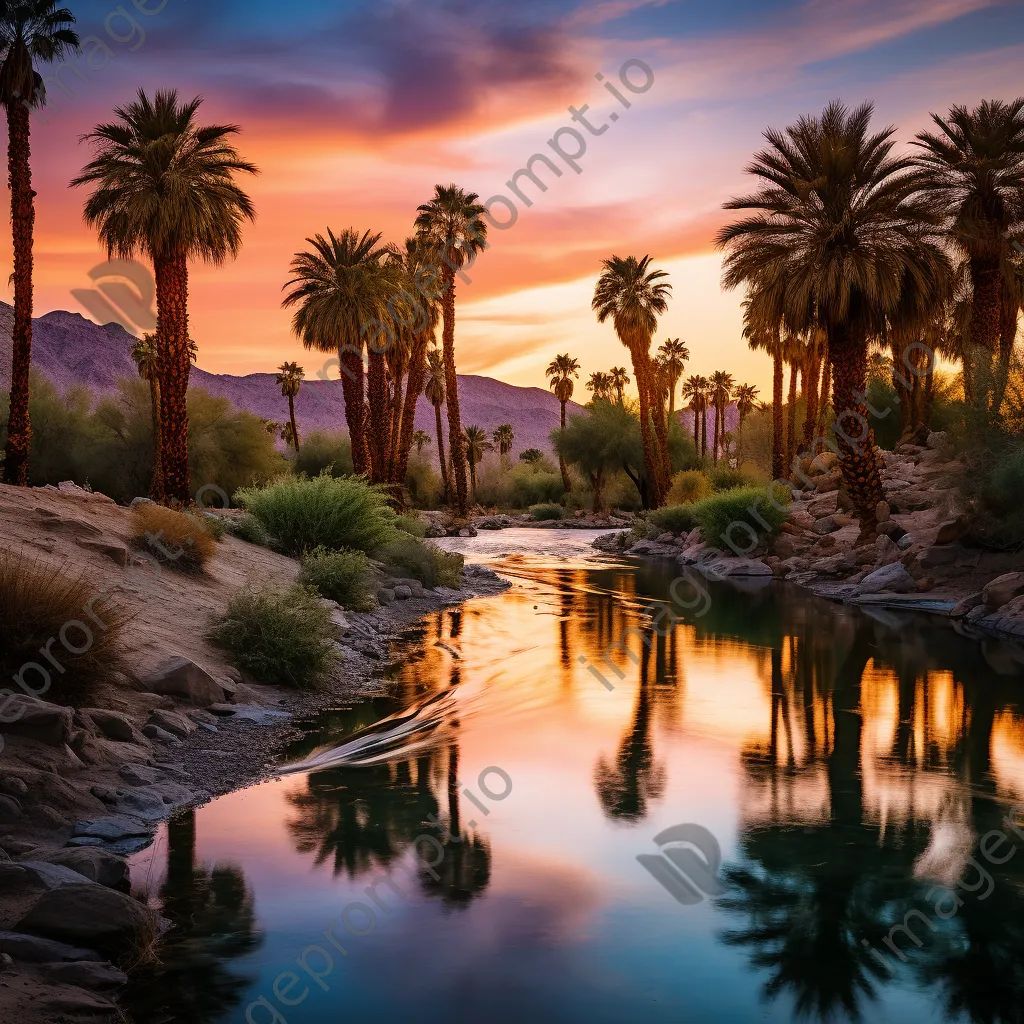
<point x="33" y="949"/>
<point x="136" y="502"/>
<point x="95" y="865"/>
<point x="937" y="557"/>
<point x="937" y="439"/>
<point x="10" y="809"/>
<point x="904" y="542"/>
<point x="87" y="974"/>
<point x="727" y="565"/>
<point x="841" y="519"/>
<point x="826" y="542"/>
<point x="968" y="603"/>
<point x="1003" y="589"/>
<point x="786" y="546"/>
<point x="828" y="482"/>
<point x="104" y="793"/>
<point x="822" y="463"/>
<point x="889" y="577"/>
<point x="792" y="565"/>
<point x="139" y="774"/>
<point x="112" y="724"/>
<point x="465" y="532"/>
<point x="827" y="524"/>
<point x="385" y="595"/>
<point x="48" y="817"/>
<point x="824" y="506"/>
<point x="886" y="550"/>
<point x="180" y="677"/>
<point x="414" y="585"/>
<point x="882" y="512"/>
<point x="951" y="530"/>
<point x="172" y="722"/>
<point x="112" y="828"/>
<point x="925" y="583"/>
<point x="13" y="786"/>
<point x="11" y="874"/>
<point x="75" y="1001"/>
<point x="402" y="592"/>
<point x="113" y="550"/>
<point x="52" y="876"/>
<point x="154" y="732"/>
<point x="835" y="565"/>
<point x="35" y="719"/>
<point x="151" y="803"/>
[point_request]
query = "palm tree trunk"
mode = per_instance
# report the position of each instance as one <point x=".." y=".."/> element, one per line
<point x="673" y="383"/>
<point x="377" y="395"/>
<point x="566" y="482"/>
<point x="703" y="430"/>
<point x="660" y="430"/>
<point x="739" y="442"/>
<point x="19" y="428"/>
<point x="854" y="436"/>
<point x="413" y="390"/>
<point x="455" y="446"/>
<point x="777" y="440"/>
<point x="652" y="462"/>
<point x="472" y="477"/>
<point x="791" y="419"/>
<point x="718" y="416"/>
<point x="812" y="378"/>
<point x="823" y="399"/>
<point x="985" y="327"/>
<point x="291" y="417"/>
<point x="1007" y="336"/>
<point x="395" y="427"/>
<point x="440" y="454"/>
<point x="172" y="316"/>
<point x="156" y="487"/>
<point x="696" y="428"/>
<point x="352" y="390"/>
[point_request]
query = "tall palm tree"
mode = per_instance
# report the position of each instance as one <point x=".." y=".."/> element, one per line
<point x="746" y="401"/>
<point x="504" y="437"/>
<point x="289" y="377"/>
<point x="618" y="381"/>
<point x="707" y="398"/>
<point x="477" y="444"/>
<point x="693" y="394"/>
<point x="972" y="174"/>
<point x="722" y="384"/>
<point x="674" y="353"/>
<point x="146" y="354"/>
<point x="337" y="286"/>
<point x="762" y="327"/>
<point x="633" y="295"/>
<point x="451" y="225"/>
<point x="833" y="229"/>
<point x="434" y="389"/>
<point x="599" y="384"/>
<point x="32" y="32"/>
<point x="420" y="438"/>
<point x="165" y="187"/>
<point x="560" y="373"/>
<point x="794" y="353"/>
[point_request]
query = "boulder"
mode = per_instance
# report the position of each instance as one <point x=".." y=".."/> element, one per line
<point x="786" y="546"/>
<point x="402" y="592"/>
<point x="962" y="608"/>
<point x="139" y="774"/>
<point x="1003" y="589"/>
<point x="151" y="803"/>
<point x="13" y="786"/>
<point x="112" y="724"/>
<point x="882" y="512"/>
<point x="886" y="551"/>
<point x="52" y="876"/>
<point x="828" y="482"/>
<point x="937" y="439"/>
<point x="112" y="828"/>
<point x="180" y="677"/>
<point x="108" y="547"/>
<point x="87" y="974"/>
<point x="889" y="577"/>
<point x="94" y="865"/>
<point x="385" y="595"/>
<point x="835" y="565"/>
<point x="154" y="732"/>
<point x="33" y="949"/>
<point x="10" y="810"/>
<point x="823" y="506"/>
<point x="172" y="722"/>
<point x="92" y="915"/>
<point x="826" y="524"/>
<point x="951" y="530"/>
<point x="904" y="542"/>
<point x="35" y="719"/>
<point x="937" y="557"/>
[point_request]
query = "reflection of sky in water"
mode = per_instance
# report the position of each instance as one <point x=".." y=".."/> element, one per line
<point x="828" y="771"/>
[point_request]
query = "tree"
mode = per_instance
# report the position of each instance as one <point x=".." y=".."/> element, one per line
<point x="762" y="327"/>
<point x="477" y="444"/>
<point x="600" y="384"/>
<point x="31" y="32"/>
<point x="504" y="437"/>
<point x="434" y="389"/>
<point x="693" y="393"/>
<point x="289" y="377"/>
<point x="452" y="227"/>
<point x="338" y="286"/>
<point x="746" y="401"/>
<point x="618" y="380"/>
<point x="146" y="354"/>
<point x="531" y="456"/>
<point x="674" y="353"/>
<point x="833" y="229"/>
<point x="634" y="296"/>
<point x="722" y="384"/>
<point x="165" y="187"/>
<point x="560" y="373"/>
<point x="972" y="176"/>
<point x="420" y="438"/>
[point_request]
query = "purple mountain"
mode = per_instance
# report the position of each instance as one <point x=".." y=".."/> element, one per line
<point x="69" y="349"/>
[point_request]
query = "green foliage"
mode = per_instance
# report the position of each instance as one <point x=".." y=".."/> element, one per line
<point x="724" y="478"/>
<point x="677" y="519"/>
<point x="547" y="512"/>
<point x="727" y="519"/>
<point x="412" y="525"/>
<point x="282" y="638"/>
<point x="531" y="455"/>
<point x="342" y="576"/>
<point x="884" y="415"/>
<point x="326" y="511"/>
<point x="423" y="483"/>
<point x="995" y="482"/>
<point x="518" y="486"/>
<point x="689" y="485"/>
<point x="432" y="566"/>
<point x="324" y="451"/>
<point x="248" y="528"/>
<point x="215" y="524"/>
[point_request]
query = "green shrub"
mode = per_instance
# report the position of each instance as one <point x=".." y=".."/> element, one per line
<point x="546" y="512"/>
<point x="423" y="483"/>
<point x="277" y="637"/>
<point x="342" y="576"/>
<point x="325" y="512"/>
<point x="214" y="523"/>
<point x="248" y="528"/>
<point x="518" y="486"/>
<point x="724" y="478"/>
<point x="688" y="486"/>
<point x="677" y="519"/>
<point x="412" y="525"/>
<point x="751" y="506"/>
<point x="422" y="561"/>
<point x="324" y="451"/>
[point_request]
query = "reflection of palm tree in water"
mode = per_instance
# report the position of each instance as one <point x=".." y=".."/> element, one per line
<point x="213" y="922"/>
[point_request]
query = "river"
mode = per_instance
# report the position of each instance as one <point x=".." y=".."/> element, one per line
<point x="832" y="792"/>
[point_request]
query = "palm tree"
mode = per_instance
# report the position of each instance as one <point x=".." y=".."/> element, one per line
<point x="618" y="380"/>
<point x="560" y="373"/>
<point x="146" y="354"/>
<point x="762" y="327"/>
<point x="452" y="227"/>
<point x="477" y="444"/>
<point x="504" y="437"/>
<point x="337" y="286"/>
<point x="165" y="187"/>
<point x="31" y="32"/>
<point x="832" y="232"/>
<point x="674" y="353"/>
<point x="746" y="401"/>
<point x="722" y="384"/>
<point x="420" y="438"/>
<point x="434" y="389"/>
<point x="599" y="384"/>
<point x="289" y="377"/>
<point x="634" y="296"/>
<point x="972" y="175"/>
<point x="693" y="394"/>
<point x="707" y="398"/>
<point x="794" y="354"/>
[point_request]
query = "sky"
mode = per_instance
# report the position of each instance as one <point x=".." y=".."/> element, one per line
<point x="354" y="109"/>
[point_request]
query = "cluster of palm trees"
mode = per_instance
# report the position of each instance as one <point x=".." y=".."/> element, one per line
<point x="717" y="392"/>
<point x="561" y="372"/>
<point x="613" y="383"/>
<point x="847" y="244"/>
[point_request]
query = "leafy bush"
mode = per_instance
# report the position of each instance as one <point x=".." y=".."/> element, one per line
<point x="41" y="603"/>
<point x="215" y="524"/>
<point x="342" y="576"/>
<point x="531" y="455"/>
<point x="277" y="637"/>
<point x="725" y="478"/>
<point x="423" y="483"/>
<point x="677" y="519"/>
<point x="689" y="486"/>
<point x="325" y="512"/>
<point x="425" y="562"/>
<point x="750" y="507"/>
<point x="412" y="525"/>
<point x="547" y="512"/>
<point x="322" y="452"/>
<point x="248" y="528"/>
<point x="518" y="486"/>
<point x="173" y="538"/>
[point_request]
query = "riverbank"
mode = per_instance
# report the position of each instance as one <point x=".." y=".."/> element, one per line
<point x="85" y="783"/>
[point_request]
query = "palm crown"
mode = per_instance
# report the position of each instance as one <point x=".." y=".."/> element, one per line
<point x="633" y="295"/>
<point x="560" y="372"/>
<point x="452" y="225"/>
<point x="32" y="31"/>
<point x="289" y="377"/>
<point x="434" y="387"/>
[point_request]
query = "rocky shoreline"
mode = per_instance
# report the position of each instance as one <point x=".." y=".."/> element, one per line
<point x="84" y="787"/>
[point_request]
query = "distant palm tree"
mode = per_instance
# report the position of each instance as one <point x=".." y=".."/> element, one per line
<point x="674" y="353"/>
<point x="146" y="354"/>
<point x="746" y="401"/>
<point x="420" y="438"/>
<point x="531" y="456"/>
<point x="504" y="437"/>
<point x="289" y="377"/>
<point x="434" y="389"/>
<point x="762" y="327"/>
<point x="619" y="380"/>
<point x="693" y="394"/>
<point x="599" y="384"/>
<point x="721" y="395"/>
<point x="337" y="285"/>
<point x="476" y="444"/>
<point x="31" y="32"/>
<point x="451" y="226"/>
<point x="560" y="373"/>
<point x="165" y="187"/>
<point x="634" y="295"/>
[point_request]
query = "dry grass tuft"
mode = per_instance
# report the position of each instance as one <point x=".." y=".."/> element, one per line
<point x="173" y="538"/>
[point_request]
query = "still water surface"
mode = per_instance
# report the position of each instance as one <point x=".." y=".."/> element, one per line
<point x="850" y="767"/>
